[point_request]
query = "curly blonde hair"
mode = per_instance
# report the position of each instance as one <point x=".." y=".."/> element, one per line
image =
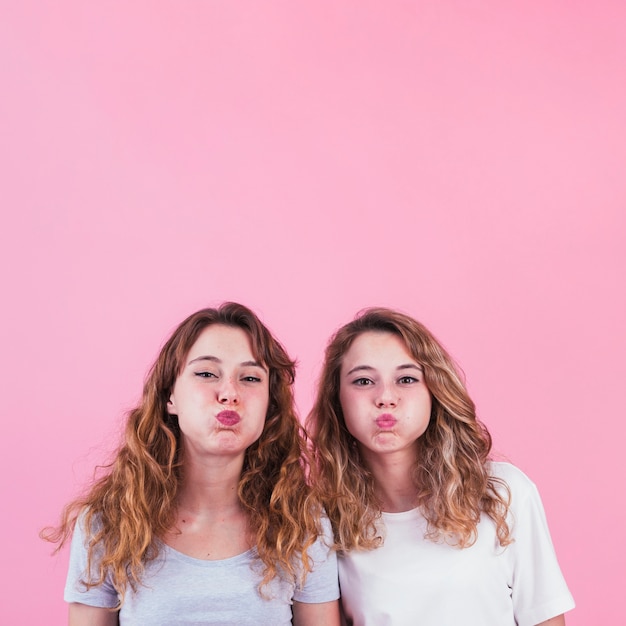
<point x="133" y="505"/>
<point x="451" y="476"/>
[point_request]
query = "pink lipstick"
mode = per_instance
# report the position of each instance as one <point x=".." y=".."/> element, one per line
<point x="386" y="421"/>
<point x="228" y="418"/>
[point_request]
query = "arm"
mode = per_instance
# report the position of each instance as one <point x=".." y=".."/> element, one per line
<point x="94" y="606"/>
<point x="559" y="620"/>
<point x="83" y="615"/>
<point x="322" y="614"/>
<point x="540" y="594"/>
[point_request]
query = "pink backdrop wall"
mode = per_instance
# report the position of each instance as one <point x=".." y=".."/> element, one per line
<point x="461" y="161"/>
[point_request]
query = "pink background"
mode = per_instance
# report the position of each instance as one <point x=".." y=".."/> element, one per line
<point x="462" y="161"/>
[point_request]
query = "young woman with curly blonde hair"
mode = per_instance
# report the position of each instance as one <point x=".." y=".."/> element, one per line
<point x="429" y="530"/>
<point x="205" y="516"/>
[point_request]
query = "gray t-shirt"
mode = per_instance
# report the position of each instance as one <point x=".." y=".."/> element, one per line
<point x="180" y="590"/>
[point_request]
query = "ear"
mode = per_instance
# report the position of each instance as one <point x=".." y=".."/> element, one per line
<point x="171" y="406"/>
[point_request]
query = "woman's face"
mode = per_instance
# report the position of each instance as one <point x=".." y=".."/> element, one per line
<point x="221" y="394"/>
<point x="385" y="402"/>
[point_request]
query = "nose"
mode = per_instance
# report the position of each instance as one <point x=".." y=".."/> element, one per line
<point x="227" y="393"/>
<point x="387" y="397"/>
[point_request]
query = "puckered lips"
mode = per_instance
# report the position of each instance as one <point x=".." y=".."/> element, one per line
<point x="228" y="418"/>
<point x="386" y="421"/>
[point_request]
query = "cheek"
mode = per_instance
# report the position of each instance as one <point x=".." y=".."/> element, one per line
<point x="344" y="399"/>
<point x="350" y="401"/>
<point x="425" y="398"/>
<point x="259" y="397"/>
<point x="429" y="403"/>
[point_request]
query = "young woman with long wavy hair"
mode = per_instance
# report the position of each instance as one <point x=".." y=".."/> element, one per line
<point x="204" y="516"/>
<point x="429" y="530"/>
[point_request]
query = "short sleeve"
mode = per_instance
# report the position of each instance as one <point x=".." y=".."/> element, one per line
<point x="321" y="584"/>
<point x="539" y="591"/>
<point x="103" y="596"/>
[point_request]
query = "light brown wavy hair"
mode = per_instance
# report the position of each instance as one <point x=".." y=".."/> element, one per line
<point x="131" y="507"/>
<point x="451" y="476"/>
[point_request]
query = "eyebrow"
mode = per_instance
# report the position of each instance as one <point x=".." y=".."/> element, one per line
<point x="369" y="368"/>
<point x="214" y="359"/>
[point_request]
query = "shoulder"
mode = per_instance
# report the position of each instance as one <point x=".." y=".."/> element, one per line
<point x="320" y="584"/>
<point x="519" y="484"/>
<point x="511" y="474"/>
<point x="325" y="530"/>
<point x="88" y="523"/>
<point x="525" y="501"/>
<point x="324" y="541"/>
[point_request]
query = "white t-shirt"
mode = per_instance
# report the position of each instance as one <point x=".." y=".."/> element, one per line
<point x="183" y="591"/>
<point x="412" y="580"/>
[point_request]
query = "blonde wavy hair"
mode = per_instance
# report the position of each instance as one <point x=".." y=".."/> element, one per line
<point x="451" y="475"/>
<point x="133" y="505"/>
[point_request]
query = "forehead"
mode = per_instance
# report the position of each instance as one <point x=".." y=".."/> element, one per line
<point x="373" y="347"/>
<point x="223" y="342"/>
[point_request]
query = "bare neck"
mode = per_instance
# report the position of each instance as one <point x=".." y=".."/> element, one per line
<point x="393" y="480"/>
<point x="211" y="522"/>
<point x="209" y="487"/>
